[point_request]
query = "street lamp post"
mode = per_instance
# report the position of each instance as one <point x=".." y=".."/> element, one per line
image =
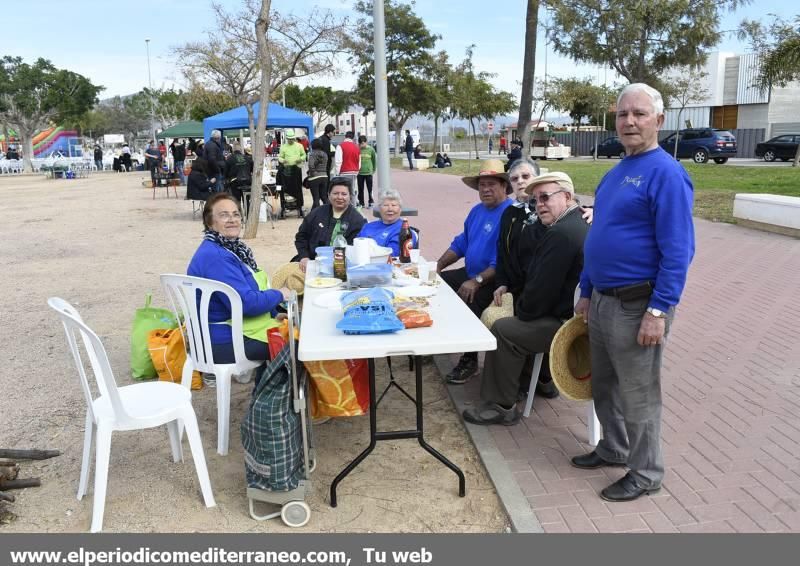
<point x="150" y="85"/>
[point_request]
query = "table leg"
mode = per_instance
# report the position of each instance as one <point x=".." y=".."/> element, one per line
<point x="462" y="482"/>
<point x="372" y="434"/>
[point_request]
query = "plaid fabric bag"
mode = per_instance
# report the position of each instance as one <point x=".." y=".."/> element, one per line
<point x="271" y="431"/>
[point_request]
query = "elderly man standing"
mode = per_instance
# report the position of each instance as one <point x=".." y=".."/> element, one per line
<point x="545" y="301"/>
<point x="214" y="154"/>
<point x="291" y="156"/>
<point x="637" y="256"/>
<point x="477" y="244"/>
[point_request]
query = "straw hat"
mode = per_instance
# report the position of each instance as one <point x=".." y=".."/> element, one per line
<point x="570" y="361"/>
<point x="289" y="275"/>
<point x="489" y="168"/>
<point x="561" y="179"/>
<point x="493" y="313"/>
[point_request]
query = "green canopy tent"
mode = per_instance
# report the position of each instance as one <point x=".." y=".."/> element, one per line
<point x="188" y="129"/>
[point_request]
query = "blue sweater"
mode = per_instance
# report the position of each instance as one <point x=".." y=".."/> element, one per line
<point x="477" y="244"/>
<point x="212" y="261"/>
<point x="387" y="235"/>
<point x="642" y="229"/>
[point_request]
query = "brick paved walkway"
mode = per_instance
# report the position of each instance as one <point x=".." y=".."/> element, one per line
<point x="731" y="388"/>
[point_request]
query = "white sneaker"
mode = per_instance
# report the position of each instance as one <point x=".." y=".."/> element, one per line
<point x="209" y="380"/>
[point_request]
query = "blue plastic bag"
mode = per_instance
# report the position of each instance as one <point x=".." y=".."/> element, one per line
<point x="369" y="312"/>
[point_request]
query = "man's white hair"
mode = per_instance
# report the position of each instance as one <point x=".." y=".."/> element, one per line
<point x="655" y="96"/>
<point x="216" y="134"/>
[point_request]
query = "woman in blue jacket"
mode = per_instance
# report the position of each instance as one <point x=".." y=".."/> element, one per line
<point x="386" y="231"/>
<point x="222" y="256"/>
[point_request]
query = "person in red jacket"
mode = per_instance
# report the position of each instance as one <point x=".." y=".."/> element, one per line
<point x="347" y="161"/>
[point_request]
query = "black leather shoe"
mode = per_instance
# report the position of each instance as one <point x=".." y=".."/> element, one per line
<point x="625" y="489"/>
<point x="591" y="461"/>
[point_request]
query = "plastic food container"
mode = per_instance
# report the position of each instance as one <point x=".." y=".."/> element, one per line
<point x="370" y="275"/>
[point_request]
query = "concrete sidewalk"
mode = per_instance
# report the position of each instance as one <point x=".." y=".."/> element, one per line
<point x="731" y="388"/>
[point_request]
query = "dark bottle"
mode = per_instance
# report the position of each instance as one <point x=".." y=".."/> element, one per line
<point x="406" y="242"/>
<point x="339" y="258"/>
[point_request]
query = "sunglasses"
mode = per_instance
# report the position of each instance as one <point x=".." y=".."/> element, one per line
<point x="544" y="197"/>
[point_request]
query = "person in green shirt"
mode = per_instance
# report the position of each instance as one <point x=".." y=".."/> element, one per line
<point x="369" y="161"/>
<point x="291" y="157"/>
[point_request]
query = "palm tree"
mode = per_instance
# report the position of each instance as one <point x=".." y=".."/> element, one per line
<point x="781" y="66"/>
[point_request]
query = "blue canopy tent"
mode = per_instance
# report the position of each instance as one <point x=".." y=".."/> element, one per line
<point x="278" y="117"/>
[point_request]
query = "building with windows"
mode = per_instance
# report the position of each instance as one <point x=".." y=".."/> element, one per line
<point x="354" y="120"/>
<point x="733" y="102"/>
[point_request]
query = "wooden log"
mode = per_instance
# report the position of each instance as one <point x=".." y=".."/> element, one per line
<point x="6" y="497"/>
<point x="9" y="471"/>
<point x="19" y="484"/>
<point x="28" y="454"/>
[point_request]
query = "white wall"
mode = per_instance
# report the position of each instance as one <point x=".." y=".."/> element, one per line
<point x="700" y="117"/>
<point x="752" y="116"/>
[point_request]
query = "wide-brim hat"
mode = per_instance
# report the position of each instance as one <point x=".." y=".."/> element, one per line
<point x="289" y="134"/>
<point x="493" y="313"/>
<point x="289" y="275"/>
<point x="489" y="168"/>
<point x="570" y="360"/>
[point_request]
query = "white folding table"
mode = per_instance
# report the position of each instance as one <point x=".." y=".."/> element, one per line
<point x="455" y="329"/>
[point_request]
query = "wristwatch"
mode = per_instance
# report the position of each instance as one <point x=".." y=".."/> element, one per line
<point x="479" y="279"/>
<point x="656" y="313"/>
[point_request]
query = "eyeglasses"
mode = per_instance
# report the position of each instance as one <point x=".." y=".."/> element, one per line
<point x="544" y="197"/>
<point x="229" y="216"/>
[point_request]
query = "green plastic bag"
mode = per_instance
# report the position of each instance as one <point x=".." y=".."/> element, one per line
<point x="147" y="319"/>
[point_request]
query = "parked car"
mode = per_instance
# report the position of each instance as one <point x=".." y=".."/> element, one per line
<point x="611" y="147"/>
<point x="702" y="144"/>
<point x="780" y="147"/>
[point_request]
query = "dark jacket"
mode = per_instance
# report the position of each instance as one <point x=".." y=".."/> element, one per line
<point x="520" y="232"/>
<point x="179" y="152"/>
<point x="198" y="187"/>
<point x="214" y="154"/>
<point x="513" y="155"/>
<point x="317" y="227"/>
<point x="554" y="270"/>
<point x="409" y="145"/>
<point x="98" y="154"/>
<point x="317" y="163"/>
<point x="239" y="168"/>
<point x="326" y="147"/>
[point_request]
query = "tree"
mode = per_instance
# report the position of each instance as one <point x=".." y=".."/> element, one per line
<point x="205" y="102"/>
<point x="474" y="97"/>
<point x="686" y="88"/>
<point x="778" y="44"/>
<point x="34" y="96"/>
<point x="528" y="70"/>
<point x="640" y="39"/>
<point x="322" y="102"/>
<point x="257" y="44"/>
<point x="438" y="93"/>
<point x="409" y="60"/>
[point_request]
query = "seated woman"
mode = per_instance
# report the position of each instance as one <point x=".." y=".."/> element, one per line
<point x="386" y="231"/>
<point x="439" y="161"/>
<point x="447" y="162"/>
<point x="222" y="256"/>
<point x="198" y="185"/>
<point x="418" y="153"/>
<point x="322" y="224"/>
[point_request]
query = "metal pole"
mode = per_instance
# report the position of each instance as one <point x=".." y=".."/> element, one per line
<point x="150" y="84"/>
<point x="381" y="95"/>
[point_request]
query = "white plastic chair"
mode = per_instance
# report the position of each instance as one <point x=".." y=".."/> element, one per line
<point x="182" y="293"/>
<point x="132" y="407"/>
<point x="594" y="423"/>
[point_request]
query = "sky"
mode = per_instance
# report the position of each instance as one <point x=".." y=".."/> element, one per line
<point x="105" y="41"/>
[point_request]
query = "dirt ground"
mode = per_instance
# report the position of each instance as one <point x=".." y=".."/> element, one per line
<point x="101" y="243"/>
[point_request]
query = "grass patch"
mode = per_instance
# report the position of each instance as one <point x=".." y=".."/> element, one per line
<point x="715" y="185"/>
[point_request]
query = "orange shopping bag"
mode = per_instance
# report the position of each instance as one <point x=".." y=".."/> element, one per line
<point x="168" y="355"/>
<point x="339" y="388"/>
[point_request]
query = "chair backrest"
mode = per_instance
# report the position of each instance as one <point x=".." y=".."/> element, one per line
<point x="189" y="298"/>
<point x="98" y="359"/>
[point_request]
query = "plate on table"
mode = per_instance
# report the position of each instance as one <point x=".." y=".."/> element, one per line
<point x="330" y="300"/>
<point x="417" y="291"/>
<point x="323" y="282"/>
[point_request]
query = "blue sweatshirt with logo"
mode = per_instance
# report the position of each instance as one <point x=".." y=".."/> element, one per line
<point x="477" y="244"/>
<point x="387" y="235"/>
<point x="642" y="228"/>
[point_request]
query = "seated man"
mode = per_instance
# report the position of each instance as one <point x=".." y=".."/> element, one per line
<point x="477" y="244"/>
<point x="238" y="171"/>
<point x="544" y="303"/>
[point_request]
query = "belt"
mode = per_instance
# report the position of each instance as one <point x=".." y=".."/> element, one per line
<point x="627" y="290"/>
